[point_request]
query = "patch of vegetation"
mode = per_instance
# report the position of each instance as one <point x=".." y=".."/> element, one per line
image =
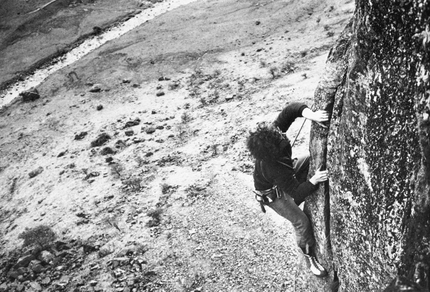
<point x="40" y="236"/>
<point x="113" y="220"/>
<point x="5" y="214"/>
<point x="213" y="97"/>
<point x="186" y="118"/>
<point x="12" y="188"/>
<point x="170" y="159"/>
<point x="148" y="281"/>
<point x="117" y="169"/>
<point x="196" y="283"/>
<point x="167" y="189"/>
<point x="133" y="183"/>
<point x="195" y="190"/>
<point x="141" y="161"/>
<point x="274" y="72"/>
<point x="2" y="168"/>
<point x="199" y="190"/>
<point x="288" y="67"/>
<point x="212" y="82"/>
<point x="53" y="123"/>
<point x="263" y="64"/>
<point x="182" y="132"/>
<point x="155" y="216"/>
<point x="198" y="73"/>
<point x="215" y="149"/>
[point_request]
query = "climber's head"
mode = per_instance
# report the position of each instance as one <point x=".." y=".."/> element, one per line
<point x="264" y="142"/>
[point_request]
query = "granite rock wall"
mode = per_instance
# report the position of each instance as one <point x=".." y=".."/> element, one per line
<point x="372" y="219"/>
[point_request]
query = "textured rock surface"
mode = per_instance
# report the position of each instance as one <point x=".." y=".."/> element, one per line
<point x="372" y="221"/>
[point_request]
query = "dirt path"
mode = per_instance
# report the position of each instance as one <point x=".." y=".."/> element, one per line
<point x="165" y="203"/>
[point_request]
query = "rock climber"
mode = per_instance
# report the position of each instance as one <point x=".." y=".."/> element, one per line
<point x="281" y="181"/>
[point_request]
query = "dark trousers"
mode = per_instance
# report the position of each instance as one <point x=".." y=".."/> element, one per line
<point x="288" y="208"/>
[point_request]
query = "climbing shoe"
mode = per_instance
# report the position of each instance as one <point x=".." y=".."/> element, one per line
<point x="315" y="267"/>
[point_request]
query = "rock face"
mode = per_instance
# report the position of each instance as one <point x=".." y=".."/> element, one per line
<point x="372" y="219"/>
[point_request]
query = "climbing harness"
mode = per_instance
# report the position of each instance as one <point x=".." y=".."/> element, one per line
<point x="266" y="196"/>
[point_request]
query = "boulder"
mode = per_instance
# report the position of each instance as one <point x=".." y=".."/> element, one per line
<point x="36" y="266"/>
<point x="149" y="130"/>
<point x="100" y="140"/>
<point x="45" y="281"/>
<point x="36" y="286"/>
<point x="129" y="133"/>
<point x="4" y="287"/>
<point x="107" y="151"/>
<point x="371" y="220"/>
<point x="16" y="273"/>
<point x="24" y="261"/>
<point x="81" y="136"/>
<point x="96" y="88"/>
<point x="30" y="95"/>
<point x="46" y="257"/>
<point x="132" y="123"/>
<point x="35" y="172"/>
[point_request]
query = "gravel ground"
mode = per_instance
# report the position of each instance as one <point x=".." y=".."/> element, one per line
<point x="164" y="201"/>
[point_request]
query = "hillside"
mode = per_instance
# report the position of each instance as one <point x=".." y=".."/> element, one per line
<point x="164" y="202"/>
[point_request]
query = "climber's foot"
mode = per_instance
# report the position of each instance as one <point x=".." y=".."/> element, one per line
<point x="316" y="268"/>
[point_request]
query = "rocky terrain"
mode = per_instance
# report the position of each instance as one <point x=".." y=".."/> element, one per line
<point x="127" y="171"/>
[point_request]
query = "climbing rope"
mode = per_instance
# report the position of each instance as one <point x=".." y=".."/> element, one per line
<point x="298" y="133"/>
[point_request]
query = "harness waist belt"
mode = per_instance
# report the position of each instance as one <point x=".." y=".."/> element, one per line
<point x="267" y="196"/>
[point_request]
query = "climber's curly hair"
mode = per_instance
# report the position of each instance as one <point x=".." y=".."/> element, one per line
<point x="263" y="143"/>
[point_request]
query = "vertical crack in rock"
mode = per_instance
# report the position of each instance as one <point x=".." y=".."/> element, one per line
<point x="329" y="98"/>
<point x="335" y="108"/>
